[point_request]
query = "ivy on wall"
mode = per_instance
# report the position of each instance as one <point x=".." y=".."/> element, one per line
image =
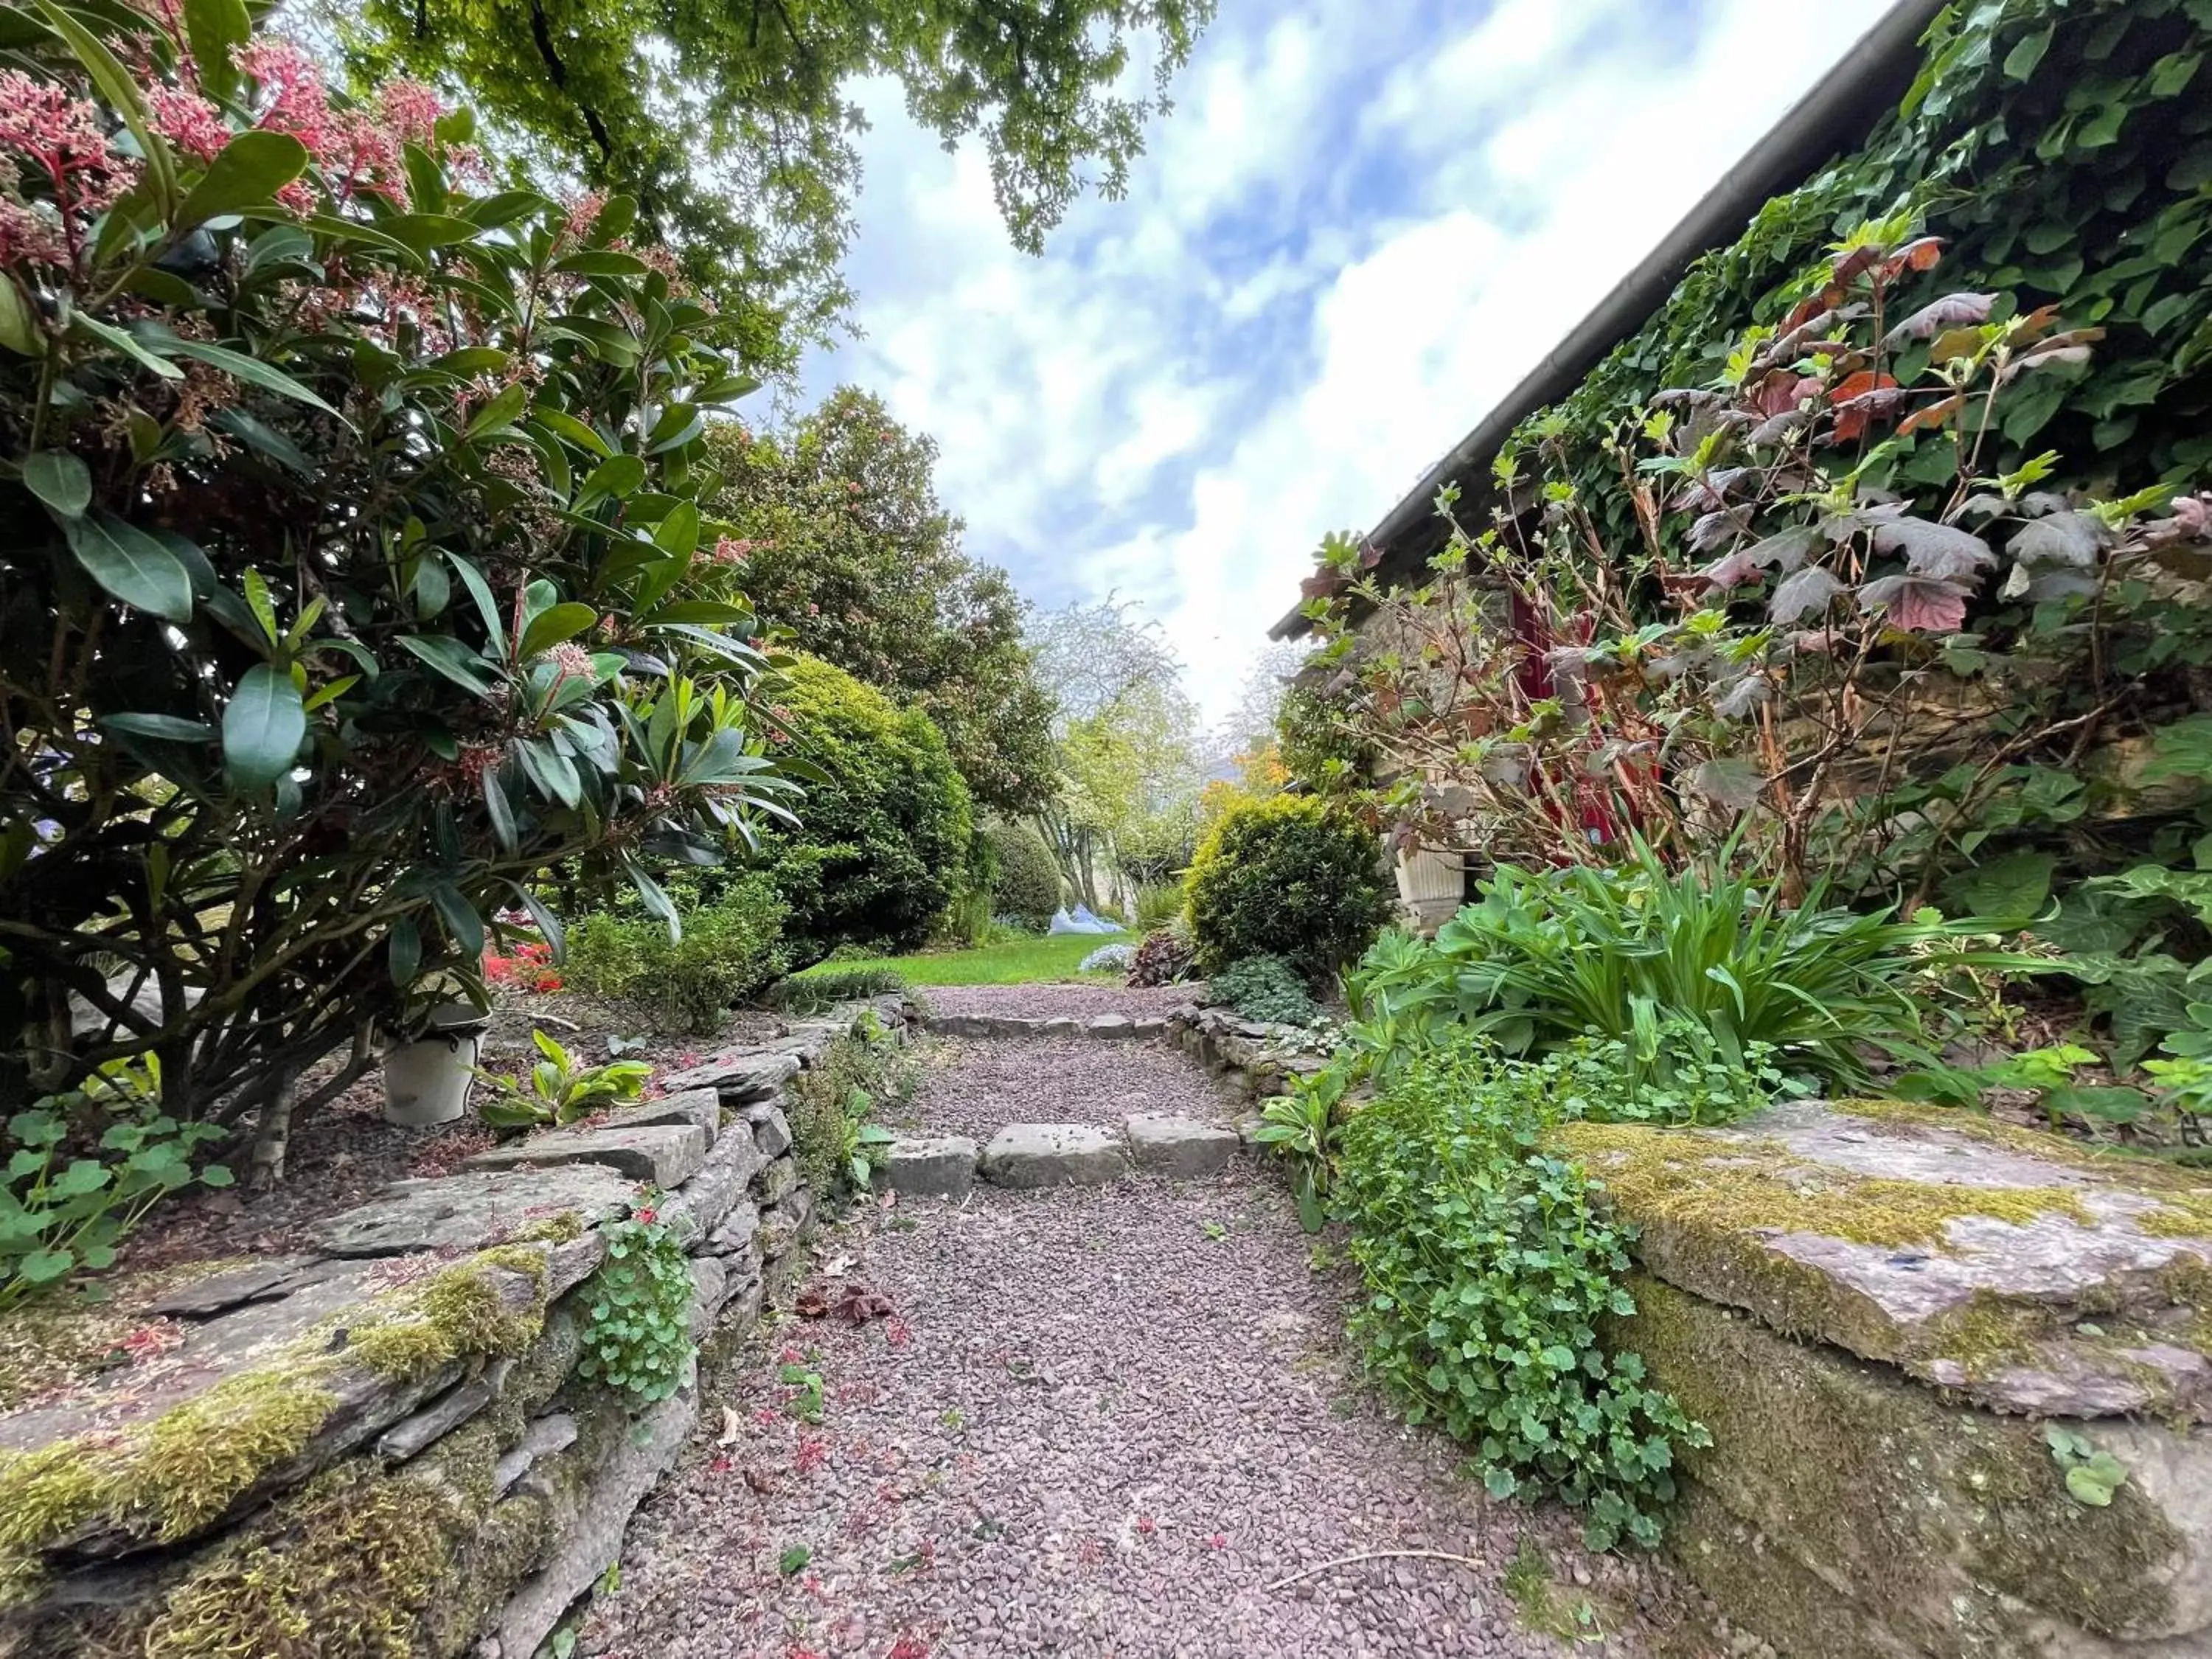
<point x="2063" y="150"/>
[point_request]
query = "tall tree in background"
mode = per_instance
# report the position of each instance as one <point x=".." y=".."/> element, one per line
<point x="1129" y="742"/>
<point x="848" y="548"/>
<point x="732" y="124"/>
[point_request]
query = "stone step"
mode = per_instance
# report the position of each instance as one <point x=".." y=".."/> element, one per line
<point x="1180" y="1148"/>
<point x="1026" y="1155"/>
<point x="928" y="1166"/>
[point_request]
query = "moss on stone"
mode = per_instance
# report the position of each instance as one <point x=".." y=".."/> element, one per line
<point x="2184" y="1197"/>
<point x="169" y="1477"/>
<point x="560" y="1229"/>
<point x="1951" y="1526"/>
<point x="461" y="1312"/>
<point x="49" y="1343"/>
<point x="1739" y="1186"/>
<point x="344" y="1569"/>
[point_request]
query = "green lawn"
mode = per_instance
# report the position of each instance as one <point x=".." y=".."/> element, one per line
<point x="1018" y="961"/>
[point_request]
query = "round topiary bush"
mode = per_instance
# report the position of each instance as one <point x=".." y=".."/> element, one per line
<point x="1025" y="887"/>
<point x="1287" y="877"/>
<point x="884" y="845"/>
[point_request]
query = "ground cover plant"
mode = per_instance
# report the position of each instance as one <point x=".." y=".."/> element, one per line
<point x="637" y="1308"/>
<point x="346" y="504"/>
<point x="558" y="1089"/>
<point x="1491" y="1276"/>
<point x="1266" y="987"/>
<point x="835" y="1139"/>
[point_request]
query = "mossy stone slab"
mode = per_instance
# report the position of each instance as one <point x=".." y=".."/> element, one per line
<point x="471" y="1211"/>
<point x="1844" y="1511"/>
<point x="2027" y="1274"/>
<point x="736" y="1075"/>
<point x="663" y="1155"/>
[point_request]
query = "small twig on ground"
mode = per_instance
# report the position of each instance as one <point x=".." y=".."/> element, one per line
<point x="1374" y="1555"/>
<point x="555" y="1020"/>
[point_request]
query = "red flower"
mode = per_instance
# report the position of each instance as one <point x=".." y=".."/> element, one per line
<point x="647" y="1215"/>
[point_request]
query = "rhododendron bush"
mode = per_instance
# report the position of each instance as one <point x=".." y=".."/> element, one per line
<point x="347" y="520"/>
<point x="1876" y="668"/>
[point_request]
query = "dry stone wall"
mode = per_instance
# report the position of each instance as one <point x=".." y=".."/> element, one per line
<point x="386" y="1439"/>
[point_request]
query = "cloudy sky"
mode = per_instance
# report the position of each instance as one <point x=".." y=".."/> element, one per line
<point x="1365" y="221"/>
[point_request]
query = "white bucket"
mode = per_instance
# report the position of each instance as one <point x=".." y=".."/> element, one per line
<point x="426" y="1083"/>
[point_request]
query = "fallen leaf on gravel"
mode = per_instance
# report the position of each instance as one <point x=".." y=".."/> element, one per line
<point x="812" y="1302"/>
<point x="732" y="1426"/>
<point x="763" y="1479"/>
<point x="857" y="1304"/>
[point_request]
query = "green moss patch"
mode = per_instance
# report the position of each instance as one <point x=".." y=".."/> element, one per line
<point x="1739" y="1186"/>
<point x="166" y="1478"/>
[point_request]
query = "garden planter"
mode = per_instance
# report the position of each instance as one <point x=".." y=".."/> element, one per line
<point x="1430" y="885"/>
<point x="426" y="1082"/>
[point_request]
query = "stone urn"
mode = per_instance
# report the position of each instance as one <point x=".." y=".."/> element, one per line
<point x="427" y="1078"/>
<point x="1431" y="885"/>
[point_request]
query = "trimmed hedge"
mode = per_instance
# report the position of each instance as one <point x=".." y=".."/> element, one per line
<point x="1025" y="881"/>
<point x="883" y="847"/>
<point x="1287" y="877"/>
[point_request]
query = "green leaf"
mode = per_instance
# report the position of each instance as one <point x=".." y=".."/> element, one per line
<point x="601" y="261"/>
<point x="550" y="627"/>
<point x="60" y="480"/>
<point x="403" y="950"/>
<point x="500" y="413"/>
<point x="422" y="232"/>
<point x="125" y="342"/>
<point x="252" y="370"/>
<point x="131" y="565"/>
<point x="43" y="1266"/>
<point x="19" y="325"/>
<point x="164" y="728"/>
<point x="450" y="658"/>
<point x="263" y="726"/>
<point x="495" y="806"/>
<point x="216" y="1174"/>
<point x="617" y="476"/>
<point x="246" y="171"/>
<point x="213" y="30"/>
<point x="462" y="923"/>
<point x="793" y="1559"/>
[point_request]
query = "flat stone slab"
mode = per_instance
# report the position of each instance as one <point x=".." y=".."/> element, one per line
<point x="929" y="1166"/>
<point x="472" y="1210"/>
<point x="1111" y="1026"/>
<point x="2026" y="1273"/>
<point x="738" y="1075"/>
<point x="700" y="1106"/>
<point x="1024" y="1155"/>
<point x="1180" y="1146"/>
<point x="665" y="1154"/>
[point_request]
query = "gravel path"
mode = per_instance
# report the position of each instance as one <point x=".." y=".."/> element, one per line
<point x="1099" y="1422"/>
<point x="977" y="1088"/>
<point x="1075" y="1000"/>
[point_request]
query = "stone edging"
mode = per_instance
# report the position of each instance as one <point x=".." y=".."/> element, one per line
<point x="530" y="1472"/>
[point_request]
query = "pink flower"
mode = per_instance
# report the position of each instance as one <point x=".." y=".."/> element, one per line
<point x="731" y="550"/>
<point x="1217" y="1540"/>
<point x="63" y="138"/>
<point x="188" y="121"/>
<point x="298" y="103"/>
<point x="647" y="1215"/>
<point x="411" y="110"/>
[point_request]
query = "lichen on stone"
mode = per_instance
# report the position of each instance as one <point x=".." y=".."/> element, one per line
<point x="1742" y="1185"/>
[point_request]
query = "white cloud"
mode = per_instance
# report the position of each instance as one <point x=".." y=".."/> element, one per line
<point x="1357" y="233"/>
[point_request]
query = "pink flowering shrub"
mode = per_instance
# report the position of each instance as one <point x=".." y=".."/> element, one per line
<point x="347" y="520"/>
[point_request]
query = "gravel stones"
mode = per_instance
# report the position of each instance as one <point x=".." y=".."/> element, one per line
<point x="1180" y="1148"/>
<point x="991" y="1083"/>
<point x="1027" y="1155"/>
<point x="665" y="1154"/>
<point x="1096" y="1430"/>
<point x="1079" y="999"/>
<point x="932" y="1166"/>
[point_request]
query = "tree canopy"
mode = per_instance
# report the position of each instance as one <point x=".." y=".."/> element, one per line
<point x="734" y="127"/>
<point x="847" y="546"/>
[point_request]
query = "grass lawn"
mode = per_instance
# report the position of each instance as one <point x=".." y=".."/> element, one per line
<point x="1018" y="962"/>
